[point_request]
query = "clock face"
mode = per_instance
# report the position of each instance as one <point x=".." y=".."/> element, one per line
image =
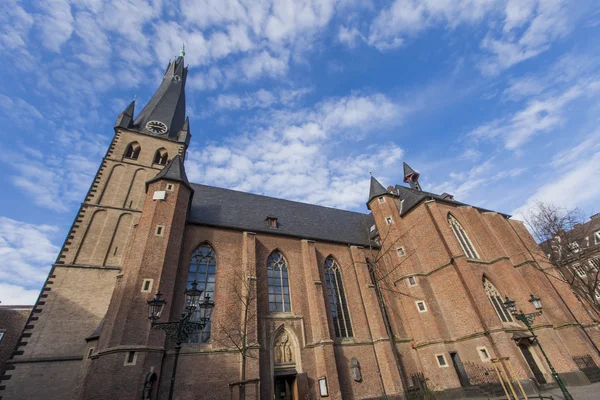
<point x="156" y="127"/>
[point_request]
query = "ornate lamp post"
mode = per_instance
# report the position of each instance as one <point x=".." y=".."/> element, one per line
<point x="528" y="319"/>
<point x="181" y="330"/>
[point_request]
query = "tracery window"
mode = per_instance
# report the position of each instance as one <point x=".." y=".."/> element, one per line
<point x="160" y="157"/>
<point x="279" y="287"/>
<point x="462" y="237"/>
<point x="337" y="299"/>
<point x="203" y="270"/>
<point x="133" y="150"/>
<point x="496" y="299"/>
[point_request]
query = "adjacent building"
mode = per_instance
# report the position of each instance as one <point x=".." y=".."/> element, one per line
<point x="359" y="305"/>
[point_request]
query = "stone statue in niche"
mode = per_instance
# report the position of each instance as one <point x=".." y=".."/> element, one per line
<point x="283" y="349"/>
<point x="355" y="366"/>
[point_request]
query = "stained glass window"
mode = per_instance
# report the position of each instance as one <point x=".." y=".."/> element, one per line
<point x="496" y="299"/>
<point x="279" y="287"/>
<point x="337" y="299"/>
<point x="462" y="237"/>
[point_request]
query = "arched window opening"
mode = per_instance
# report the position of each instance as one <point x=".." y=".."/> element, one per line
<point x="279" y="287"/>
<point x="133" y="150"/>
<point x="462" y="237"/>
<point x="496" y="299"/>
<point x="161" y="157"/>
<point x="203" y="270"/>
<point x="337" y="299"/>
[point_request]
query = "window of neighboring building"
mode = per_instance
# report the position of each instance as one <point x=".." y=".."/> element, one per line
<point x="388" y="220"/>
<point x="421" y="306"/>
<point x="574" y="247"/>
<point x="132" y="151"/>
<point x="441" y="360"/>
<point x="412" y="281"/>
<point x="579" y="270"/>
<point x="462" y="237"/>
<point x="203" y="270"/>
<point x="381" y="200"/>
<point x="597" y="237"/>
<point x="161" y="156"/>
<point x="279" y="287"/>
<point x="496" y="299"/>
<point x="337" y="299"/>
<point x="595" y="263"/>
<point x="400" y="251"/>
<point x="1" y="335"/>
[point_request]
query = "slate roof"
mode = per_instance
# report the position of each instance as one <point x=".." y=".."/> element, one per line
<point x="167" y="105"/>
<point x="413" y="197"/>
<point x="173" y="171"/>
<point x="376" y="189"/>
<point x="227" y="208"/>
<point x="409" y="171"/>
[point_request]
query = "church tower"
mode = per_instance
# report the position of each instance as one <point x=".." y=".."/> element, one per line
<point x="52" y="353"/>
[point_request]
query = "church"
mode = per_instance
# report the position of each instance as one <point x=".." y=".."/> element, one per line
<point x="297" y="301"/>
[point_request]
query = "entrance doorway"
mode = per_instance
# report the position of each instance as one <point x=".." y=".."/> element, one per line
<point x="533" y="365"/>
<point x="284" y="387"/>
<point x="460" y="370"/>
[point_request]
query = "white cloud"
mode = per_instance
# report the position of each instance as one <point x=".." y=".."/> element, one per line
<point x="349" y="36"/>
<point x="15" y="24"/>
<point x="55" y="23"/>
<point x="406" y="18"/>
<point x="17" y="295"/>
<point x="260" y="99"/>
<point x="18" y="111"/>
<point x="294" y="154"/>
<point x="545" y="21"/>
<point x="537" y="116"/>
<point x="60" y="179"/>
<point x="573" y="187"/>
<point x="27" y="255"/>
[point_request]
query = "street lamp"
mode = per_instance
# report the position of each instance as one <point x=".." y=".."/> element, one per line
<point x="528" y="319"/>
<point x="181" y="330"/>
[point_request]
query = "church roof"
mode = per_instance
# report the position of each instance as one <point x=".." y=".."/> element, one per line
<point x="410" y="198"/>
<point x="376" y="189"/>
<point x="227" y="208"/>
<point x="173" y="171"/>
<point x="167" y="105"/>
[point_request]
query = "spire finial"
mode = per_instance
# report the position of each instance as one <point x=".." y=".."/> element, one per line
<point x="370" y="173"/>
<point x="182" y="52"/>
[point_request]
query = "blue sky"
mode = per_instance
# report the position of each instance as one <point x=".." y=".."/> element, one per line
<point x="494" y="101"/>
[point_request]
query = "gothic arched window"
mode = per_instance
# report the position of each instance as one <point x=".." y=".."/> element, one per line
<point x="133" y="150"/>
<point x="161" y="157"/>
<point x="279" y="287"/>
<point x="462" y="237"/>
<point x="496" y="299"/>
<point x="337" y="299"/>
<point x="203" y="270"/>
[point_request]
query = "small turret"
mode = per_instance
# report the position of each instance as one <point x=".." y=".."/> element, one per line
<point x="411" y="177"/>
<point x="125" y="119"/>
<point x="376" y="189"/>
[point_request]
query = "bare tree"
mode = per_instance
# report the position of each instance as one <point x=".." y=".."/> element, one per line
<point x="238" y="329"/>
<point x="565" y="238"/>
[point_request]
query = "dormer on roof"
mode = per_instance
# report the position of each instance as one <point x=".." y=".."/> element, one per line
<point x="271" y="221"/>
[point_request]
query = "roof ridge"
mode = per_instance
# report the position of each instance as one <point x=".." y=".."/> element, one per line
<point x="280" y="199"/>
